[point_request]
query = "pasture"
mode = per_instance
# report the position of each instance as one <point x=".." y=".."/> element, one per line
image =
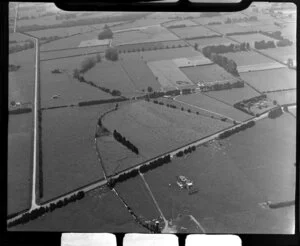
<point x="112" y="75"/>
<point x="252" y="61"/>
<point x="272" y="79"/>
<point x="68" y="89"/>
<point x="200" y="100"/>
<point x="169" y="75"/>
<point x="69" y="155"/>
<point x="233" y="95"/>
<point x="284" y="97"/>
<point x="140" y="74"/>
<point x="149" y="34"/>
<point x="202" y="42"/>
<point x="21" y="82"/>
<point x="156" y="129"/>
<point x="165" y="54"/>
<point x="115" y="156"/>
<point x="282" y="53"/>
<point x="233" y="177"/>
<point x="19" y="162"/>
<point x="193" y="31"/>
<point x="207" y="74"/>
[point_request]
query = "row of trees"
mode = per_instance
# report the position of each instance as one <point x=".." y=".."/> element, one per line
<point x="236" y="129"/>
<point x="13" y="68"/>
<point x="221" y="49"/>
<point x="223" y="86"/>
<point x="208" y="36"/>
<point x="65" y="16"/>
<point x="276" y="112"/>
<point x="95" y="102"/>
<point x="240" y="33"/>
<point x="177" y="26"/>
<point x="156" y="163"/>
<point x="186" y="151"/>
<point x="241" y="19"/>
<point x="28" y="44"/>
<point x="264" y="45"/>
<point x="20" y="111"/>
<point x="276" y="34"/>
<point x="125" y="142"/>
<point x="228" y="64"/>
<point x="214" y="23"/>
<point x="156" y="47"/>
<point x="43" y="210"/>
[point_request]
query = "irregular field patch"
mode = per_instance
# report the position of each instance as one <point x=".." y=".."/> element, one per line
<point x="284" y="97"/>
<point x="193" y="31"/>
<point x="272" y="79"/>
<point x="169" y="75"/>
<point x="69" y="155"/>
<point x="19" y="162"/>
<point x="234" y="95"/>
<point x="207" y="74"/>
<point x="68" y="89"/>
<point x="149" y="34"/>
<point x="155" y="129"/>
<point x="203" y="101"/>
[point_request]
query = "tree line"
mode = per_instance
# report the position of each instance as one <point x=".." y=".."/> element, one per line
<point x="20" y="111"/>
<point x="237" y="129"/>
<point x="121" y="50"/>
<point x="95" y="102"/>
<point x="264" y="45"/>
<point x="228" y="64"/>
<point x="241" y="19"/>
<point x="34" y="214"/>
<point x="125" y="142"/>
<point x="223" y="86"/>
<point x="134" y="172"/>
<point x="221" y="49"/>
<point x="241" y="33"/>
<point x="186" y="151"/>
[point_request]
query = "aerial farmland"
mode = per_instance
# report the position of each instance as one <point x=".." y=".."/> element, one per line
<point x="152" y="122"/>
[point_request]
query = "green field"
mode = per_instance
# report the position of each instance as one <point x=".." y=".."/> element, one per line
<point x="155" y="129"/>
<point x="193" y="31"/>
<point x="19" y="162"/>
<point x="272" y="79"/>
<point x="202" y="101"/>
<point x="69" y="155"/>
<point x="284" y="97"/>
<point x="282" y="53"/>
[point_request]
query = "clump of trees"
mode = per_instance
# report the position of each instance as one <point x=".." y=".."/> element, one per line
<point x="20" y="111"/>
<point x="228" y="64"/>
<point x="236" y="129"/>
<point x="186" y="151"/>
<point x="264" y="45"/>
<point x="221" y="49"/>
<point x="177" y="26"/>
<point x="274" y="113"/>
<point x="105" y="34"/>
<point x="112" y="54"/>
<point x="87" y="64"/>
<point x="187" y="91"/>
<point x="246" y="104"/>
<point x="125" y="142"/>
<point x="284" y="42"/>
<point x="276" y="34"/>
<point x="34" y="214"/>
<point x="13" y="68"/>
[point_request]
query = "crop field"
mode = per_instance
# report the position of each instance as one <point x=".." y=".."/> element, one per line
<point x="61" y="32"/>
<point x="179" y="22"/>
<point x="252" y="38"/>
<point x="234" y="95"/>
<point x="272" y="79"/>
<point x="115" y="156"/>
<point x="140" y="74"/>
<point x="202" y="42"/>
<point x="21" y="82"/>
<point x="205" y="102"/>
<point x="233" y="176"/>
<point x="169" y="75"/>
<point x="18" y="37"/>
<point x="99" y="211"/>
<point x="70" y="42"/>
<point x="134" y="192"/>
<point x="284" y="97"/>
<point x="193" y="31"/>
<point x="113" y="76"/>
<point x="252" y="61"/>
<point x="282" y="53"/>
<point x="69" y="155"/>
<point x="207" y="74"/>
<point x="167" y="54"/>
<point x="69" y="90"/>
<point x="192" y="61"/>
<point x="155" y="129"/>
<point x="150" y="46"/>
<point x="149" y="34"/>
<point x="59" y="54"/>
<point x="230" y="28"/>
<point x="19" y="159"/>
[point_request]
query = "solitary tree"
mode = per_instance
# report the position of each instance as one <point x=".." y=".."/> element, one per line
<point x="149" y="89"/>
<point x="111" y="54"/>
<point x="196" y="46"/>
